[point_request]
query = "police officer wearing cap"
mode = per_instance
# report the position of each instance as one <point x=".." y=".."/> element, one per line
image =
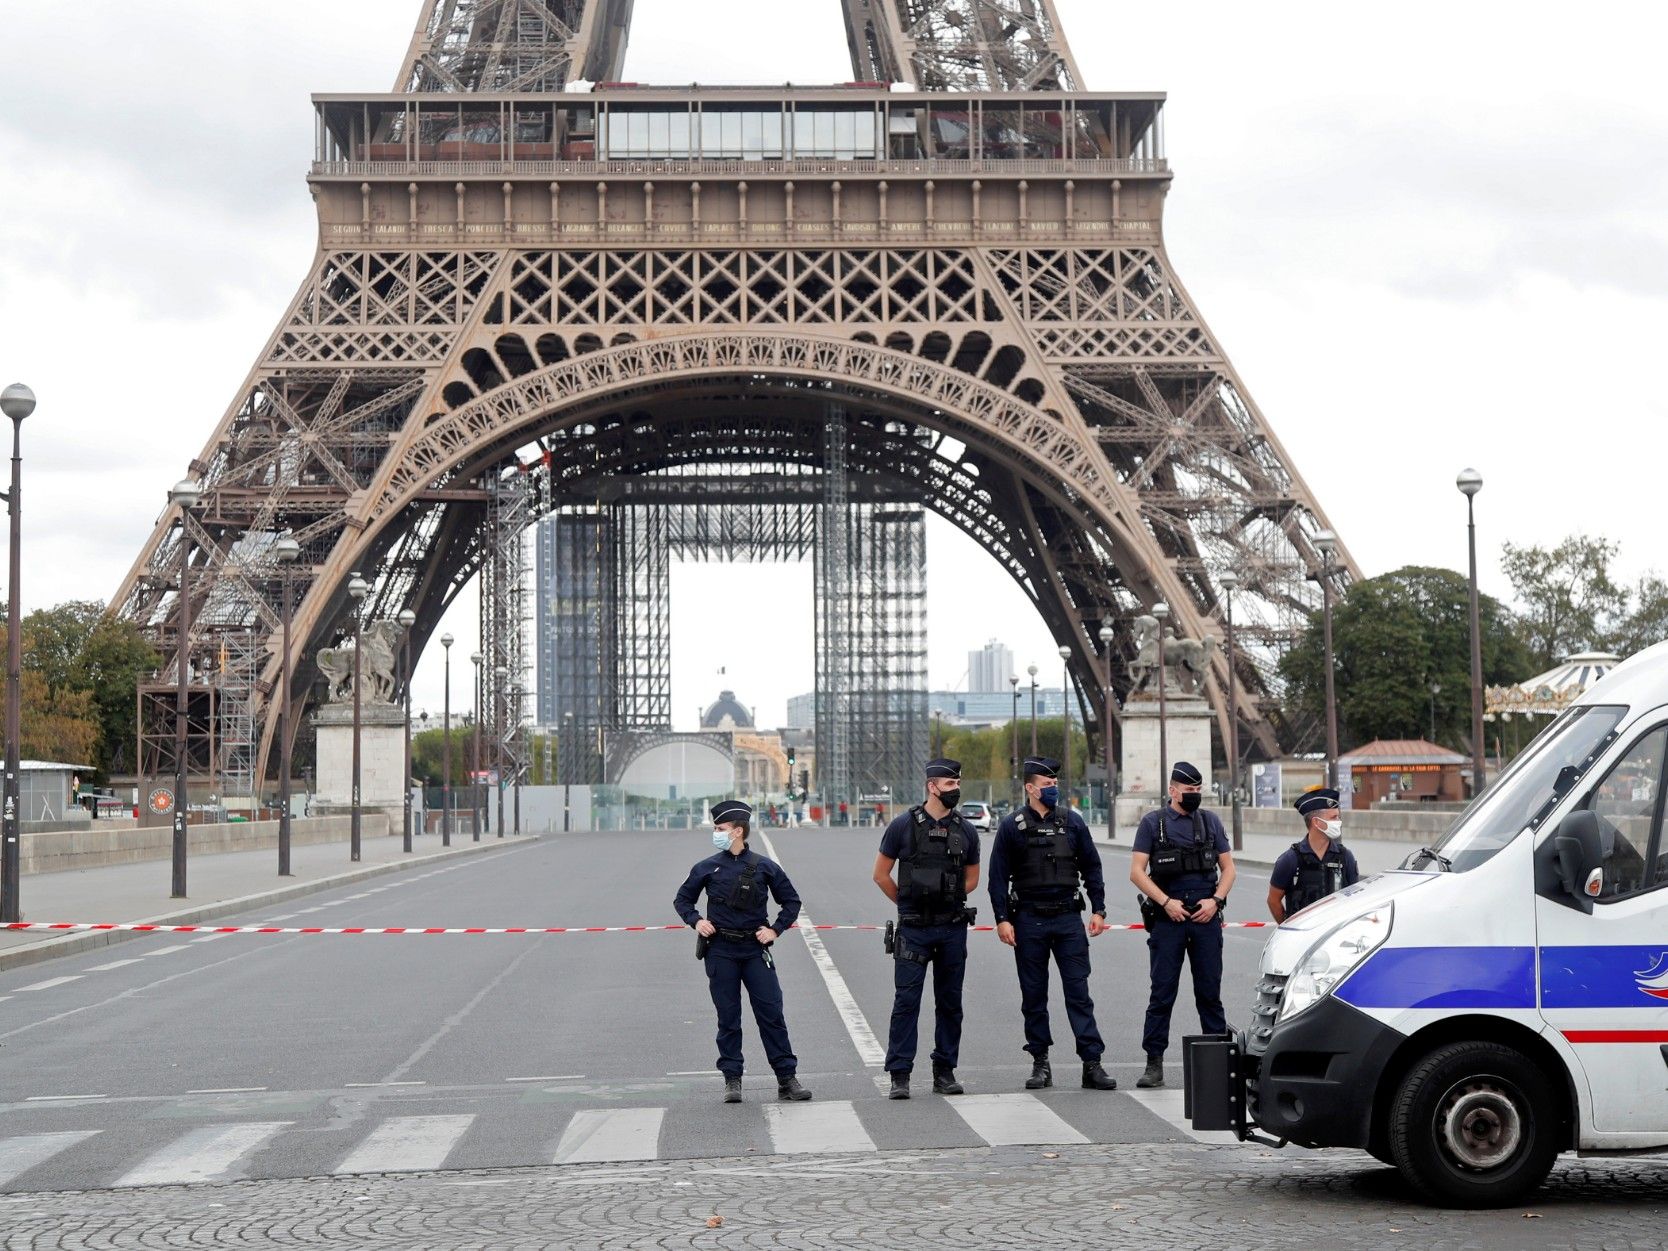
<point x="735" y="945"/>
<point x="1316" y="865"/>
<point x="1184" y="869"/>
<point x="936" y="854"/>
<point x="1041" y="861"/>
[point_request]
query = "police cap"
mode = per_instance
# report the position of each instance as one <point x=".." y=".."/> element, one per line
<point x="1317" y="799"/>
<point x="1186" y="774"/>
<point x="944" y="768"/>
<point x="731" y="810"/>
<point x="1041" y="766"/>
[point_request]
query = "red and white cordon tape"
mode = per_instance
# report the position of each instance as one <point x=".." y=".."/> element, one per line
<point x="140" y="928"/>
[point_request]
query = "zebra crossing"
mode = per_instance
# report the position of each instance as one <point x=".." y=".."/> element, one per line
<point x="97" y="1159"/>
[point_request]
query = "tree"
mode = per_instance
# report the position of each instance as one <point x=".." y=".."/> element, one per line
<point x="428" y="752"/>
<point x="61" y="726"/>
<point x="1392" y="637"/>
<point x="1648" y="622"/>
<point x="985" y="754"/>
<point x="1568" y="601"/>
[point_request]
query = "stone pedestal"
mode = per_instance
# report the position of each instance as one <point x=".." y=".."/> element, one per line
<point x="1187" y="725"/>
<point x="381" y="761"/>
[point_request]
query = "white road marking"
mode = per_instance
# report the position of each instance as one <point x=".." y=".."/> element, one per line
<point x="3" y="998"/>
<point x="407" y="1144"/>
<point x="604" y="1135"/>
<point x="693" y="1073"/>
<point x="229" y="1090"/>
<point x="1013" y="1120"/>
<point x="50" y="983"/>
<point x="203" y="1155"/>
<point x="1167" y="1106"/>
<point x="168" y="951"/>
<point x="52" y="1098"/>
<point x="808" y="1128"/>
<point x="857" y="1025"/>
<point x="114" y="964"/>
<point x="19" y="1155"/>
<point x="371" y="1085"/>
<point x="560" y="1077"/>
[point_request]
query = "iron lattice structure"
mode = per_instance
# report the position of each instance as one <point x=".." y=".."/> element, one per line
<point x="628" y="279"/>
<point x="504" y="604"/>
<point x="605" y="654"/>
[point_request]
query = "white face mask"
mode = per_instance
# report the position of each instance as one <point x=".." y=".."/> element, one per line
<point x="1334" y="830"/>
<point x="721" y="840"/>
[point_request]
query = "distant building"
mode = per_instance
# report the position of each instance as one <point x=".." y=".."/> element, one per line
<point x="802" y="711"/>
<point x="994" y="708"/>
<point x="727" y="714"/>
<point x="989" y="669"/>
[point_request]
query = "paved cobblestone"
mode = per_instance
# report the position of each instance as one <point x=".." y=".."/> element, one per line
<point x="1176" y="1196"/>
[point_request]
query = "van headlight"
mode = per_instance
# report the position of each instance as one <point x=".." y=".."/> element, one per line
<point x="1333" y="958"/>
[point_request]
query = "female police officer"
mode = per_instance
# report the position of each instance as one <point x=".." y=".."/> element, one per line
<point x="735" y="944"/>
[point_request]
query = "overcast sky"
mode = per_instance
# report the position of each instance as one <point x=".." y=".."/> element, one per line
<point x="1429" y="235"/>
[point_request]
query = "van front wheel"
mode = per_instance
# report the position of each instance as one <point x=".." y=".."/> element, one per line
<point x="1474" y="1125"/>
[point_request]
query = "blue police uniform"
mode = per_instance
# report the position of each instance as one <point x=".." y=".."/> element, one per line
<point x="738" y="889"/>
<point x="927" y="934"/>
<point x="1299" y="861"/>
<point x="1169" y="942"/>
<point x="1047" y="920"/>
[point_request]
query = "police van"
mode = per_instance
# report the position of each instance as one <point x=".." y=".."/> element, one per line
<point x="1500" y="998"/>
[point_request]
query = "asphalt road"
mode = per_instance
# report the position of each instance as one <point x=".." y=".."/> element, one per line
<point x="174" y="1060"/>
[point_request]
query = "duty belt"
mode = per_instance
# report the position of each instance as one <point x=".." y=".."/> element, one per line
<point x="1052" y="907"/>
<point x="740" y="936"/>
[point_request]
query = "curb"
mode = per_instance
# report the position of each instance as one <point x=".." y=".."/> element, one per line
<point x="73" y="944"/>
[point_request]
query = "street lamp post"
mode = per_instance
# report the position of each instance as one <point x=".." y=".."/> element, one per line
<point x="1161" y="614"/>
<point x="1107" y="635"/>
<point x="1229" y="582"/>
<point x="1065" y="725"/>
<point x="1436" y="689"/>
<point x="357" y="590"/>
<point x="1032" y="670"/>
<point x="287" y="551"/>
<point x="407" y="619"/>
<point x="475" y="757"/>
<point x="1327" y="543"/>
<point x="565" y="748"/>
<point x="1470" y="482"/>
<point x="1013" y="722"/>
<point x="186" y="494"/>
<point x="500" y="716"/>
<point x="17" y="402"/>
<point x="446" y="641"/>
<point x="519" y="692"/>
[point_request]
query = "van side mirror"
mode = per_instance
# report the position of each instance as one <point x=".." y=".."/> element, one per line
<point x="1580" y="849"/>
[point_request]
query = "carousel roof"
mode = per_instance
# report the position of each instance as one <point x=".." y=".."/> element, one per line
<point x="1553" y="691"/>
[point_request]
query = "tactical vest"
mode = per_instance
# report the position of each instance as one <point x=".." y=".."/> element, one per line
<point x="1317" y="876"/>
<point x="1048" y="863"/>
<point x="745" y="891"/>
<point x="1169" y="860"/>
<point x="933" y="881"/>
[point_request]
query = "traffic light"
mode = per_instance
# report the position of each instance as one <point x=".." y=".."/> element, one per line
<point x="790" y="761"/>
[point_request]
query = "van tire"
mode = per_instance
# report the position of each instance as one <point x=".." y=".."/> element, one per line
<point x="1474" y="1125"/>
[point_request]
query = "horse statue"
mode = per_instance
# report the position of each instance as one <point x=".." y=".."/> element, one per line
<point x="381" y="640"/>
<point x="1186" y="661"/>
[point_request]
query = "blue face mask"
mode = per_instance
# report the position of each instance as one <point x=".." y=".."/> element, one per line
<point x="721" y="840"/>
<point x="1050" y="795"/>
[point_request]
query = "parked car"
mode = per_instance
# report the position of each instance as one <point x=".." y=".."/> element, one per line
<point x="979" y="815"/>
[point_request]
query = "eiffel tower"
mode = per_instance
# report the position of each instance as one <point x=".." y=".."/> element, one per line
<point x="946" y="278"/>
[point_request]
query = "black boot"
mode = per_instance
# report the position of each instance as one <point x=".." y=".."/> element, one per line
<point x="900" y="1085"/>
<point x="1041" y="1074"/>
<point x="789" y="1089"/>
<point x="1154" y="1075"/>
<point x="732" y="1090"/>
<point x="944" y="1080"/>
<point x="1097" y="1078"/>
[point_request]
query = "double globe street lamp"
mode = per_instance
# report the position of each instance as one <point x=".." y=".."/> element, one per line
<point x="186" y="495"/>
<point x="17" y="402"/>
<point x="1326" y="543"/>
<point x="357" y="590"/>
<point x="1469" y="483"/>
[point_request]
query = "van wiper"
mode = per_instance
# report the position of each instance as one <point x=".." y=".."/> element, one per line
<point x="1430" y="854"/>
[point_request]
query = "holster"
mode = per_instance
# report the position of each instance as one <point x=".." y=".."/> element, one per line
<point x="703" y="942"/>
<point x="889" y="940"/>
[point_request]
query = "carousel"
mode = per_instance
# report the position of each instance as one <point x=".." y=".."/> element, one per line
<point x="1544" y="695"/>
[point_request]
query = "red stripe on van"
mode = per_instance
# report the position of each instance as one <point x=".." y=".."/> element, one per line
<point x="1617" y="1035"/>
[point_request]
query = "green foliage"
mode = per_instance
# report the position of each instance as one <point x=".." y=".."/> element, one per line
<point x="428" y="752"/>
<point x="1567" y="599"/>
<point x="86" y="669"/>
<point x="1648" y="622"/>
<point x="1392" y="637"/>
<point x="986" y="755"/>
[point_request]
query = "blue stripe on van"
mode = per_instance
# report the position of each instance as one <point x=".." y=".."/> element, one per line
<point x="1605" y="977"/>
<point x="1443" y="977"/>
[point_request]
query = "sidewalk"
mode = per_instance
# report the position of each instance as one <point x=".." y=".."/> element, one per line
<point x="219" y="885"/>
<point x="1261" y="850"/>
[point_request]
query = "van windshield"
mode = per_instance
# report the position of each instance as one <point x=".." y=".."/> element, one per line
<point x="1530" y="788"/>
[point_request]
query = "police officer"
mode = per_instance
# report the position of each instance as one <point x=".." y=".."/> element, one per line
<point x="1317" y="864"/>
<point x="1042" y="854"/>
<point x="936" y="854"/>
<point x="735" y="944"/>
<point x="1183" y="867"/>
